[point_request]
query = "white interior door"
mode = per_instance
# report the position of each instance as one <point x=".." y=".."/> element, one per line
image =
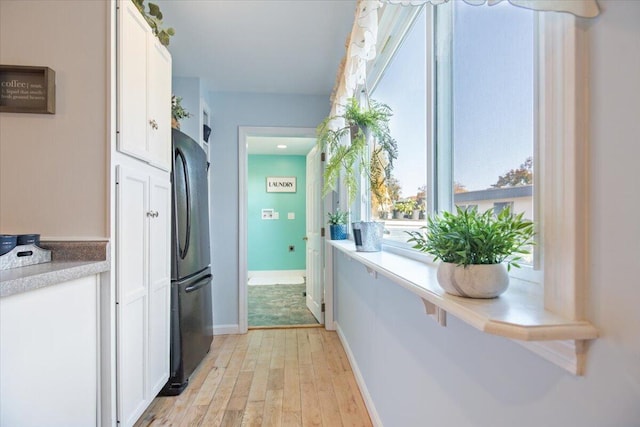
<point x="315" y="285"/>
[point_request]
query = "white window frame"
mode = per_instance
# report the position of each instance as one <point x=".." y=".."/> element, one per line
<point x="560" y="175"/>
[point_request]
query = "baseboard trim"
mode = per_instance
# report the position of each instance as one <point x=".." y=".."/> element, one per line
<point x="226" y="329"/>
<point x="271" y="273"/>
<point x="368" y="401"/>
<point x="318" y="325"/>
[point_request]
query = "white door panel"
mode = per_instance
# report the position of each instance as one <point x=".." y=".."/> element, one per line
<point x="315" y="285"/>
<point x="132" y="81"/>
<point x="132" y="292"/>
<point x="159" y="282"/>
<point x="159" y="104"/>
<point x="143" y="223"/>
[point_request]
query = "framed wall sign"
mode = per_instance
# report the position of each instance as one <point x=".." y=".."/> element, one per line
<point x="25" y="89"/>
<point x="281" y="184"/>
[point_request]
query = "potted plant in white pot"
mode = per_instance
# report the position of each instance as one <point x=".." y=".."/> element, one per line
<point x="369" y="152"/>
<point x="476" y="249"/>
<point x="338" y="224"/>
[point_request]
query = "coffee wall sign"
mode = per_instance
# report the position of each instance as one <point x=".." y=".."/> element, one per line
<point x="25" y="89"/>
<point x="281" y="184"/>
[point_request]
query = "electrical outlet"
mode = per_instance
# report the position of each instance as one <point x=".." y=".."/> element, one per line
<point x="292" y="248"/>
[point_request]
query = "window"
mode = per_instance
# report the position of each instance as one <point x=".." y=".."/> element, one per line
<point x="476" y="93"/>
<point x="403" y="87"/>
<point x="500" y="206"/>
<point x="482" y="132"/>
<point x="485" y="107"/>
<point x="553" y="156"/>
<point x="554" y="163"/>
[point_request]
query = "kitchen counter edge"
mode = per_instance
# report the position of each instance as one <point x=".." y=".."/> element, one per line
<point x="24" y="279"/>
<point x="70" y="260"/>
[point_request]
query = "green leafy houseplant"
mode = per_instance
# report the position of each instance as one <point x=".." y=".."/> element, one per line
<point x="338" y="224"/>
<point x="360" y="122"/>
<point x="154" y="17"/>
<point x="177" y="110"/>
<point x="470" y="237"/>
<point x="338" y="217"/>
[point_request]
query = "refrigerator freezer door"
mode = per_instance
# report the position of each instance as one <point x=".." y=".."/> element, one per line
<point x="190" y="229"/>
<point x="191" y="328"/>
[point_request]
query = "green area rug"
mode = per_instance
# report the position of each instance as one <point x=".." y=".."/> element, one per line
<point x="276" y="305"/>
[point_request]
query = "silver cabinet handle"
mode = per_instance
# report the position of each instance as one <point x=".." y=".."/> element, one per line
<point x="153" y="124"/>
<point x="153" y="214"/>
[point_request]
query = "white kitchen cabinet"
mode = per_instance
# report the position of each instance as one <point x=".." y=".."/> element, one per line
<point x="143" y="214"/>
<point x="49" y="355"/>
<point x="144" y="90"/>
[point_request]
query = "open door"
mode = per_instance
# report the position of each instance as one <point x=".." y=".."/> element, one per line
<point x="315" y="286"/>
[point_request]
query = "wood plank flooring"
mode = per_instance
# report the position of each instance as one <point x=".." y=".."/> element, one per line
<point x="268" y="377"/>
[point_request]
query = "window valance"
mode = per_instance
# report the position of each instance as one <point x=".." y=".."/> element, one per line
<point x="582" y="8"/>
<point x="361" y="43"/>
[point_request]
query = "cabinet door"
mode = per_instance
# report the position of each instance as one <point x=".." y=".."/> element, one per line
<point x="132" y="293"/>
<point x="49" y="355"/>
<point x="133" y="35"/>
<point x="159" y="104"/>
<point x="160" y="283"/>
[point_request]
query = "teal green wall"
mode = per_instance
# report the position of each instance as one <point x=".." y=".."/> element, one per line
<point x="269" y="240"/>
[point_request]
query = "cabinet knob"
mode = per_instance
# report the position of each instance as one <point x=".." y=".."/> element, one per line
<point x="153" y="214"/>
<point x="153" y="124"/>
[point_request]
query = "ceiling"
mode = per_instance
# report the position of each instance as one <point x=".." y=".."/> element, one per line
<point x="260" y="46"/>
<point x="269" y="145"/>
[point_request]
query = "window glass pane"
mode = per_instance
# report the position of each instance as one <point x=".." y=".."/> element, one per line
<point x="492" y="107"/>
<point x="403" y="88"/>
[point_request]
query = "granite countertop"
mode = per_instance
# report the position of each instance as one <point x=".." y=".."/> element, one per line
<point x="70" y="260"/>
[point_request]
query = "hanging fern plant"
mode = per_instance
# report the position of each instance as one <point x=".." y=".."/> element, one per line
<point x="355" y="156"/>
<point x="154" y="17"/>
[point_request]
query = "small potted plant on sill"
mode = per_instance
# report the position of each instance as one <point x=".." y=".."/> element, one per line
<point x="338" y="224"/>
<point x="415" y="212"/>
<point x="398" y="210"/>
<point x="368" y="153"/>
<point x="177" y="112"/>
<point x="476" y="249"/>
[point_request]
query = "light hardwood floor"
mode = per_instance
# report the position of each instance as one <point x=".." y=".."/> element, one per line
<point x="268" y="377"/>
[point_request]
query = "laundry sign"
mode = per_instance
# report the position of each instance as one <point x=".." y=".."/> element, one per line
<point x="281" y="184"/>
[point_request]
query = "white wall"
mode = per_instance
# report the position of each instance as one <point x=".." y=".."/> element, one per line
<point x="53" y="168"/>
<point x="228" y="111"/>
<point x="421" y="374"/>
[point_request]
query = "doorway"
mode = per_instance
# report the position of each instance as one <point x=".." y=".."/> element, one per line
<point x="259" y="273"/>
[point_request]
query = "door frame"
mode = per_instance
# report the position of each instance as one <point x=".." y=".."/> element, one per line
<point x="243" y="266"/>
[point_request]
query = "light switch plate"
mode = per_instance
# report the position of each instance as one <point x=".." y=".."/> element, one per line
<point x="291" y="215"/>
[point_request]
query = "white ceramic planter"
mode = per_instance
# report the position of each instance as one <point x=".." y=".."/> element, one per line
<point x="473" y="281"/>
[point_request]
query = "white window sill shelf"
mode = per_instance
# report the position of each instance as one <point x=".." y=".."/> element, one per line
<point x="517" y="314"/>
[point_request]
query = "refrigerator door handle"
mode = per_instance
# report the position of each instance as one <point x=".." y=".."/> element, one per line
<point x="199" y="284"/>
<point x="185" y="171"/>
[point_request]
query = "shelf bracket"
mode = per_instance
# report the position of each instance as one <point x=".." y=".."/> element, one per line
<point x="435" y="312"/>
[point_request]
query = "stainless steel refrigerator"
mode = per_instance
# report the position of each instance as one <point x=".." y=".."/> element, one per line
<point x="191" y="280"/>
